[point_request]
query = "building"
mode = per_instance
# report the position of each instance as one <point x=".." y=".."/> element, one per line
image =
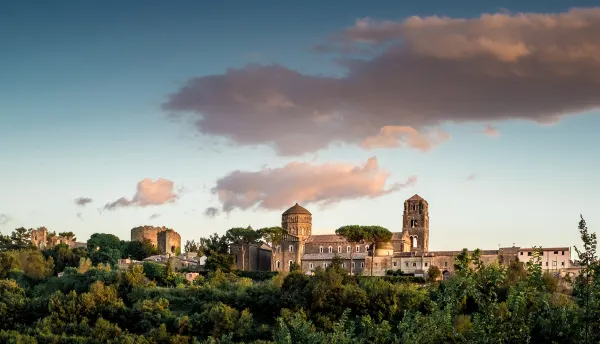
<point x="165" y="239"/>
<point x="42" y="239"/>
<point x="408" y="250"/>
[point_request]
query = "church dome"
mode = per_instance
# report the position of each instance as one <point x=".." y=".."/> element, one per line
<point x="296" y="209"/>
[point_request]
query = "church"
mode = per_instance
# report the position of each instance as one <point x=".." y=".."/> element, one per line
<point x="408" y="250"/>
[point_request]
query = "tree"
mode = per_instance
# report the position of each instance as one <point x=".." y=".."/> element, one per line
<point x="587" y="284"/>
<point x="104" y="248"/>
<point x="21" y="238"/>
<point x="193" y="246"/>
<point x="138" y="250"/>
<point x="433" y="274"/>
<point x="68" y="235"/>
<point x="242" y="237"/>
<point x="273" y="236"/>
<point x="354" y="234"/>
<point x="376" y="235"/>
<point x="216" y="249"/>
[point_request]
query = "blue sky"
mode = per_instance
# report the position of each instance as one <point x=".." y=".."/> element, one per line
<point x="80" y="116"/>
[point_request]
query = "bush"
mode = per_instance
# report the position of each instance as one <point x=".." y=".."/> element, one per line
<point x="256" y="275"/>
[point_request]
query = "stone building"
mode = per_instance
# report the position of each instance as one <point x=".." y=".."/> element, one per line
<point x="408" y="250"/>
<point x="257" y="257"/>
<point x="42" y="239"/>
<point x="165" y="239"/>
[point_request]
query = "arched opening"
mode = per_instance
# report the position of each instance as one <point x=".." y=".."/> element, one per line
<point x="172" y="249"/>
<point x="339" y="249"/>
<point x="278" y="264"/>
<point x="290" y="263"/>
<point x="414" y="241"/>
<point x="330" y="249"/>
<point x="291" y="248"/>
<point x="320" y="249"/>
<point x="348" y="249"/>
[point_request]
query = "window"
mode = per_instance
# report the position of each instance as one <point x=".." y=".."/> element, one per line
<point x="521" y="253"/>
<point x="330" y="249"/>
<point x="348" y="249"/>
<point x="562" y="263"/>
<point x="563" y="253"/>
<point x="406" y="264"/>
<point x="445" y="264"/>
<point x="366" y="248"/>
<point x="414" y="241"/>
<point x="357" y="248"/>
<point x="278" y="264"/>
<point x="395" y="264"/>
<point x="362" y="264"/>
<point x="353" y="265"/>
<point x="555" y="252"/>
<point x="529" y="253"/>
<point x="554" y="263"/>
<point x="546" y="263"/>
<point x="325" y="265"/>
<point x="343" y="265"/>
<point x="414" y="265"/>
<point x="278" y="248"/>
<point x="291" y="248"/>
<point x="339" y="249"/>
<point x="320" y="249"/>
<point x="310" y="265"/>
<point x="425" y="264"/>
<point x="290" y="264"/>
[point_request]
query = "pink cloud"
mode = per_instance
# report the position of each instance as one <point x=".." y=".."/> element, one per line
<point x="402" y="136"/>
<point x="325" y="184"/>
<point x="149" y="192"/>
<point x="490" y="130"/>
<point x="427" y="71"/>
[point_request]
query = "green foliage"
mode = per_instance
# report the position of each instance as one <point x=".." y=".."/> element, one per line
<point x="137" y="250"/>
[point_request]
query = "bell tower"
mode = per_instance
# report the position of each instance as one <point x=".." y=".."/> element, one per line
<point x="416" y="223"/>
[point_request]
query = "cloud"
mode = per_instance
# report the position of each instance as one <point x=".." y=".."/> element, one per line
<point x="491" y="131"/>
<point x="83" y="201"/>
<point x="325" y="184"/>
<point x="424" y="72"/>
<point x="154" y="216"/>
<point x="402" y="136"/>
<point x="211" y="212"/>
<point x="148" y="193"/>
<point x="471" y="178"/>
<point x="4" y="219"/>
<point x="79" y="216"/>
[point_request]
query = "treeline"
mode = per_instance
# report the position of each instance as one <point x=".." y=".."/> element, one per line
<point x="477" y="304"/>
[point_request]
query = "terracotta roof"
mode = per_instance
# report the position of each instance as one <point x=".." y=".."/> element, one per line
<point x="417" y="198"/>
<point x="548" y="249"/>
<point x="324" y="256"/>
<point x="325" y="238"/>
<point x="296" y="209"/>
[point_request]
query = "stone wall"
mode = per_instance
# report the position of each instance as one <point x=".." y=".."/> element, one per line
<point x="169" y="241"/>
<point x="147" y="232"/>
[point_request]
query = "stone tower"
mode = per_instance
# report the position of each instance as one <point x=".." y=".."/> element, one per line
<point x="297" y="222"/>
<point x="416" y="223"/>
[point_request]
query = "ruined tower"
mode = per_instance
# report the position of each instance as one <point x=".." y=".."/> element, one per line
<point x="416" y="223"/>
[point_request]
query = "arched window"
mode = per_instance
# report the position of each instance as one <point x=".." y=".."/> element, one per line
<point x="320" y="249"/>
<point x="357" y="248"/>
<point x="325" y="265"/>
<point x="290" y="263"/>
<point x="339" y="249"/>
<point x="330" y="249"/>
<point x="366" y="248"/>
<point x="348" y="249"/>
<point x="353" y="265"/>
<point x="278" y="264"/>
<point x="414" y="241"/>
<point x="278" y="248"/>
<point x="343" y="265"/>
<point x="291" y="248"/>
<point x="310" y="265"/>
<point x="362" y="264"/>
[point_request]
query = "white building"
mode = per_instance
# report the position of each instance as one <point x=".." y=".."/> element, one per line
<point x="553" y="258"/>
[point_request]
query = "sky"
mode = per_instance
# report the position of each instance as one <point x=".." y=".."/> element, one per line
<point x="202" y="116"/>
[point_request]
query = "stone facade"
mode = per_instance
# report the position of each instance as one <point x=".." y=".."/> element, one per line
<point x="258" y="257"/>
<point x="408" y="250"/>
<point x="169" y="241"/>
<point x="165" y="239"/>
<point x="42" y="239"/>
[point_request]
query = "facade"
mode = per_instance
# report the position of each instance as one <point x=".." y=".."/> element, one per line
<point x="165" y="239"/>
<point x="42" y="239"/>
<point x="408" y="251"/>
<point x="257" y="257"/>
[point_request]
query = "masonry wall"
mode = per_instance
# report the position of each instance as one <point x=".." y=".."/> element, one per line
<point x="169" y="242"/>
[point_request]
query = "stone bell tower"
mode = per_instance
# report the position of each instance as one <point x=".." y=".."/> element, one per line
<point x="416" y="223"/>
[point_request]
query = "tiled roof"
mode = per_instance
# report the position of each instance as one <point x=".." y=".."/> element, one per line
<point x="296" y="209"/>
<point x="325" y="238"/>
<point x="548" y="249"/>
<point x="417" y="198"/>
<point x="324" y="256"/>
<point x="441" y="253"/>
